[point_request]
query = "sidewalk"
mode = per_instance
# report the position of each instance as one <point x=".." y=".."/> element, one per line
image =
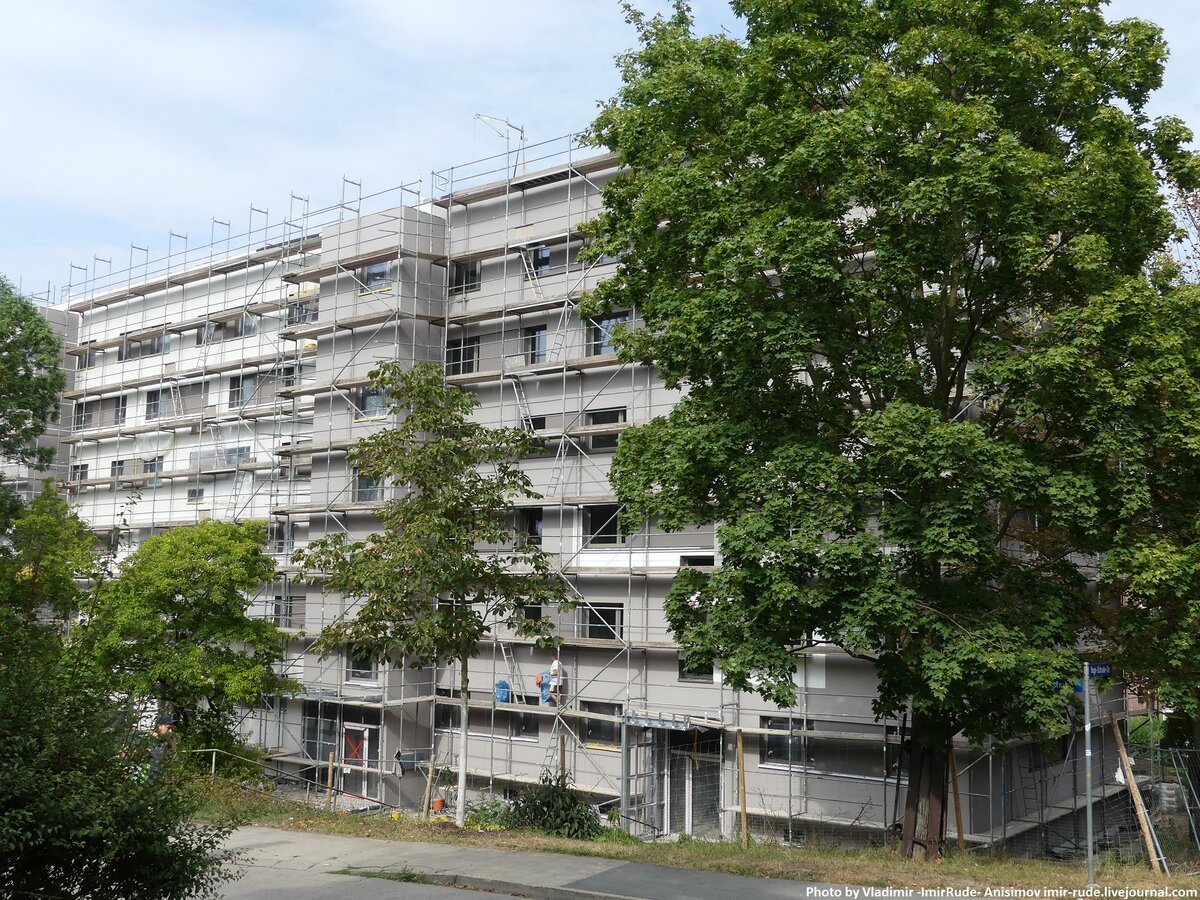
<point x="547" y="876"/>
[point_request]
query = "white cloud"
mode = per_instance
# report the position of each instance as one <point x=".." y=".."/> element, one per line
<point x="127" y="118"/>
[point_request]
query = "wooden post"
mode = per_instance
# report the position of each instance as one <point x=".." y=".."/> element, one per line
<point x="428" y="796"/>
<point x="562" y="757"/>
<point x="329" y="786"/>
<point x="962" y="844"/>
<point x="1136" y="794"/>
<point x="741" y="763"/>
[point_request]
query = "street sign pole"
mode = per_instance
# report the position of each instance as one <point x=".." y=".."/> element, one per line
<point x="1087" y="771"/>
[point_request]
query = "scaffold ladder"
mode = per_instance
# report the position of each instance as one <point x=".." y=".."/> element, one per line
<point x="239" y="477"/>
<point x="516" y="682"/>
<point x="175" y="398"/>
<point x="522" y="402"/>
<point x="526" y="254"/>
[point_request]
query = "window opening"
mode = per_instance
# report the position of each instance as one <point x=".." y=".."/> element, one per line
<point x="465" y="277"/>
<point x="461" y="356"/>
<point x="605" y="621"/>
<point x="603" y="524"/>
<point x="600" y="334"/>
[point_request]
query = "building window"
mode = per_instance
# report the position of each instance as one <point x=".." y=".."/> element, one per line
<point x="87" y="359"/>
<point x="243" y="327"/>
<point x="153" y="465"/>
<point x="242" y="389"/>
<point x="530" y="522"/>
<point x="361" y="666"/>
<point x="465" y="277"/>
<point x="605" y="621"/>
<point x="605" y="417"/>
<point x="533" y="612"/>
<point x="319" y="730"/>
<point x="234" y="456"/>
<point x="784" y="746"/>
<point x="602" y="524"/>
<point x="195" y="494"/>
<point x="84" y="413"/>
<point x="701" y="674"/>
<point x="372" y="402"/>
<point x="301" y="314"/>
<point x="461" y="355"/>
<point x="538" y="261"/>
<point x="130" y="350"/>
<point x="121" y="410"/>
<point x="526" y="725"/>
<point x="896" y="755"/>
<point x="280" y="537"/>
<point x="366" y="488"/>
<point x="534" y="344"/>
<point x="1042" y="756"/>
<point x="378" y="274"/>
<point x="600" y="334"/>
<point x="116" y="468"/>
<point x="209" y="333"/>
<point x="287" y="611"/>
<point x="447" y="714"/>
<point x="602" y="731"/>
<point x="79" y="472"/>
<point x="154" y="405"/>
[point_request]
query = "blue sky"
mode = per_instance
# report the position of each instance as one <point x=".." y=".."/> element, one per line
<point x="128" y="120"/>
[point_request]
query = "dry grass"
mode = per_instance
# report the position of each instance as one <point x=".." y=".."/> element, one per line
<point x="875" y="867"/>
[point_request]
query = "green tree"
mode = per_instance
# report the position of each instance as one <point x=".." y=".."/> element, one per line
<point x="76" y="817"/>
<point x="1154" y="576"/>
<point x="46" y="553"/>
<point x="172" y="625"/>
<point x="426" y="589"/>
<point x="30" y="378"/>
<point x="894" y="252"/>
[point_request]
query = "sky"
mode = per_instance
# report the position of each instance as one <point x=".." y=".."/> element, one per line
<point x="127" y="120"/>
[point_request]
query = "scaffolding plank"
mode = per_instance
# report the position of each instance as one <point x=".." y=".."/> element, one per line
<point x="526" y="181"/>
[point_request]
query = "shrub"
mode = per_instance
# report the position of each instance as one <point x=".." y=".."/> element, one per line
<point x="554" y="808"/>
<point x="489" y="815"/>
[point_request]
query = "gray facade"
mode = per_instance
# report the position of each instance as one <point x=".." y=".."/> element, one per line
<point x="229" y="384"/>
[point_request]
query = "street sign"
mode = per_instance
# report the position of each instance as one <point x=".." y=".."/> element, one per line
<point x="1100" y="670"/>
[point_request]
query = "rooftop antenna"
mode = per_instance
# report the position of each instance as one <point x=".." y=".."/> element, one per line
<point x="493" y="122"/>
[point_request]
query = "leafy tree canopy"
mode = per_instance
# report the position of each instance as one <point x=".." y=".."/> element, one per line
<point x="426" y="592"/>
<point x="31" y="378"/>
<point x="172" y="623"/>
<point x="81" y="817"/>
<point x="45" y="553"/>
<point x="446" y="568"/>
<point x="894" y="252"/>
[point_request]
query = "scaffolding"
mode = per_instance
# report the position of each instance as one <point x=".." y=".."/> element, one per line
<point x="230" y="381"/>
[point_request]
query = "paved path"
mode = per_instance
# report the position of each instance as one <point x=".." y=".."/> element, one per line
<point x="277" y="858"/>
<point x="273" y="883"/>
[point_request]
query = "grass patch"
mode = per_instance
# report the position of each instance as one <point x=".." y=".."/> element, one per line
<point x="406" y="875"/>
<point x="872" y="867"/>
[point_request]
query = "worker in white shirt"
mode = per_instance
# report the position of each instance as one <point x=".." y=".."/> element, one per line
<point x="556" y="678"/>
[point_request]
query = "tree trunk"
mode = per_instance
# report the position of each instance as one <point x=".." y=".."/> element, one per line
<point x="924" y="822"/>
<point x="460" y="801"/>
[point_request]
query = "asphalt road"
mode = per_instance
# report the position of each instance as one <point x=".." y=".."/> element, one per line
<point x="274" y="883"/>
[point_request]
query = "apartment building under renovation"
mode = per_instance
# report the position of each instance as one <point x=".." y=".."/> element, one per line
<point x="229" y="381"/>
